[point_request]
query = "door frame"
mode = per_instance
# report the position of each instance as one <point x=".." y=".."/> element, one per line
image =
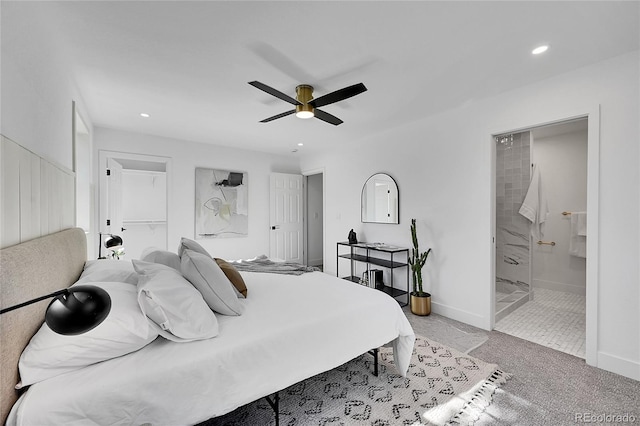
<point x="82" y="163"/>
<point x="306" y="174"/>
<point x="104" y="155"/>
<point x="592" y="114"/>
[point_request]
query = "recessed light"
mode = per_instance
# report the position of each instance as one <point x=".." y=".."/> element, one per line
<point x="300" y="144"/>
<point x="540" y="49"/>
<point x="144" y="114"/>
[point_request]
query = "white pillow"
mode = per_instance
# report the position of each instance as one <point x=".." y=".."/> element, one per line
<point x="164" y="257"/>
<point x="205" y="275"/>
<point x="187" y="244"/>
<point x="125" y="330"/>
<point x="175" y="308"/>
<point x="107" y="270"/>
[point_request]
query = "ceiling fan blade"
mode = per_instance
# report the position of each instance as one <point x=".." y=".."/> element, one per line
<point x="325" y="116"/>
<point x="274" y="92"/>
<point x="338" y="95"/>
<point x="275" y="117"/>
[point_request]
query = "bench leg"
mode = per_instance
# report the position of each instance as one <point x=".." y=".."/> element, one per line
<point x="374" y="353"/>
<point x="275" y="405"/>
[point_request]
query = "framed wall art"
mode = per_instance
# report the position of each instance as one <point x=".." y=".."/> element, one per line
<point x="221" y="209"/>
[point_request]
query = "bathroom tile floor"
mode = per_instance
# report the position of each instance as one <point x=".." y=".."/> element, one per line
<point x="553" y="318"/>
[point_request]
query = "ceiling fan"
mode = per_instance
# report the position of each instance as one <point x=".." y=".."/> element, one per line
<point x="306" y="105"/>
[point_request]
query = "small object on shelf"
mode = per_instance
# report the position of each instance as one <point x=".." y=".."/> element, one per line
<point x="352" y="237"/>
<point x="376" y="278"/>
<point x="365" y="279"/>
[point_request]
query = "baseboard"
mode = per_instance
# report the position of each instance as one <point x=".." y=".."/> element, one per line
<point x="564" y="287"/>
<point x="622" y="366"/>
<point x="461" y="315"/>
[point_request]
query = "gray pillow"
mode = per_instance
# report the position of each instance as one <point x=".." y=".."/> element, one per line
<point x="164" y="257"/>
<point x="187" y="244"/>
<point x="216" y="289"/>
<point x="175" y="308"/>
<point x="108" y="270"/>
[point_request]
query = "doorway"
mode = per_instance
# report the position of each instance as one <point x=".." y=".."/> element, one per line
<point x="134" y="199"/>
<point x="314" y="232"/>
<point x="541" y="215"/>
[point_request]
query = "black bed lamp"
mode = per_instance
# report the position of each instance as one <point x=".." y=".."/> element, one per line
<point x="112" y="242"/>
<point x="74" y="310"/>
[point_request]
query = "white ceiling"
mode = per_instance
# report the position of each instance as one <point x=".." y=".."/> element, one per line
<point x="187" y="64"/>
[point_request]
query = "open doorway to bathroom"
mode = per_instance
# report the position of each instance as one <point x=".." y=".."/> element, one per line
<point x="541" y="208"/>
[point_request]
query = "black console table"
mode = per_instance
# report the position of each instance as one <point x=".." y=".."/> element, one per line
<point x="386" y="256"/>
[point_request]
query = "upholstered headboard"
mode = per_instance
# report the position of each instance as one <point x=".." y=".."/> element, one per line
<point x="29" y="270"/>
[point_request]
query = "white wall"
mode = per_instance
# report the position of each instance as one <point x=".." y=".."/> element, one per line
<point x="443" y="166"/>
<point x="185" y="157"/>
<point x="37" y="93"/>
<point x="144" y="211"/>
<point x="562" y="162"/>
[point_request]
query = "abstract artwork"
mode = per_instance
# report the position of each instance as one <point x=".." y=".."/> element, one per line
<point x="221" y="204"/>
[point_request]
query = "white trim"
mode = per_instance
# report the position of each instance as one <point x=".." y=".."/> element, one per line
<point x="104" y="155"/>
<point x="622" y="366"/>
<point x="491" y="323"/>
<point x="593" y="243"/>
<point x="79" y="127"/>
<point x="458" y="314"/>
<point x="592" y="113"/>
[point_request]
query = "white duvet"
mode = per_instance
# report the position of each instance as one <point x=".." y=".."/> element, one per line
<point x="293" y="327"/>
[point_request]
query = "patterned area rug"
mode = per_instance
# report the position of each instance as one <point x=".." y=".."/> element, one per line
<point x="443" y="386"/>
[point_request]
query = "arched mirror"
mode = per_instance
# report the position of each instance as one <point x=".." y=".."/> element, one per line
<point x="379" y="199"/>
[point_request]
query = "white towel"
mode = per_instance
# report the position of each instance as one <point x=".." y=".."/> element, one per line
<point x="535" y="206"/>
<point x="578" y="235"/>
<point x="580" y="219"/>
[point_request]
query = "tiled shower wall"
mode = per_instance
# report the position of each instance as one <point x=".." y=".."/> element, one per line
<point x="513" y="171"/>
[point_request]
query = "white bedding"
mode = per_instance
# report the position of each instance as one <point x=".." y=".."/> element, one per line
<point x="293" y="327"/>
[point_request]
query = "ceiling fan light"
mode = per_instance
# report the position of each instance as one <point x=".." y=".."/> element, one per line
<point x="304" y="114"/>
<point x="305" y="94"/>
<point x="304" y="111"/>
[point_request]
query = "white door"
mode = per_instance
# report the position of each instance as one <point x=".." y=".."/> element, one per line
<point x="286" y="215"/>
<point x="114" y="202"/>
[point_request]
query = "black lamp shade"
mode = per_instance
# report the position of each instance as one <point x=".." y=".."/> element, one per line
<point x="79" y="310"/>
<point x="113" y="241"/>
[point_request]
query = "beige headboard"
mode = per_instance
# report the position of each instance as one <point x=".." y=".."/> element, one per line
<point x="29" y="270"/>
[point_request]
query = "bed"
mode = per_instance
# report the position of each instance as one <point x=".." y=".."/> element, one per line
<point x="291" y="327"/>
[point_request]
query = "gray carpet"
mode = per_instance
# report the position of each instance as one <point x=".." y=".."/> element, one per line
<point x="457" y="335"/>
<point x="549" y="387"/>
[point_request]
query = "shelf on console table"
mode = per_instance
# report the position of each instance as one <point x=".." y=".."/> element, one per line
<point x="362" y="252"/>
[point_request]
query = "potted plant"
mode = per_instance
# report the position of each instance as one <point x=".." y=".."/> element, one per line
<point x="420" y="302"/>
